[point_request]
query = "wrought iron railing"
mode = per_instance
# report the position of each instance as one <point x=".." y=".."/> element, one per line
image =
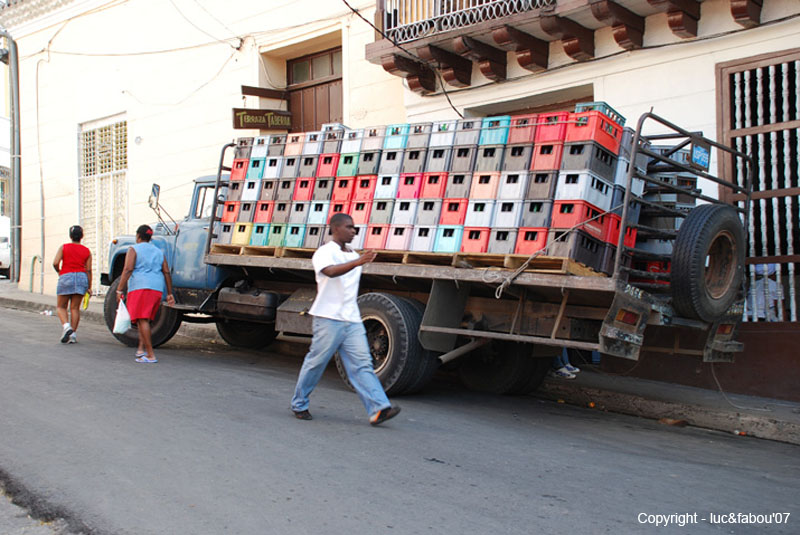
<point x="408" y="20"/>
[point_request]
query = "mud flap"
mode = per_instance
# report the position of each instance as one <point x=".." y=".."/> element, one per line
<point x="721" y="344"/>
<point x="622" y="333"/>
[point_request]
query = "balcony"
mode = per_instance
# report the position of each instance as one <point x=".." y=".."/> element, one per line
<point x="452" y="35"/>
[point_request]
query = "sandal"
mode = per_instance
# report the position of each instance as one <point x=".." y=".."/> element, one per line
<point x="146" y="360"/>
<point x="139" y="355"/>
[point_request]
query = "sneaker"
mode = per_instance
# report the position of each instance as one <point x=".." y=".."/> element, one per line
<point x="302" y="415"/>
<point x="73" y="338"/>
<point x="66" y="334"/>
<point x="383" y="415"/>
<point x="564" y="373"/>
<point x="572" y="369"/>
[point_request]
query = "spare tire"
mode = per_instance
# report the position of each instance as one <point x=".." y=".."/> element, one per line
<point x="708" y="262"/>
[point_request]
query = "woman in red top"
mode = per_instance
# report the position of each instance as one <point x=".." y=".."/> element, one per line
<point x="73" y="263"/>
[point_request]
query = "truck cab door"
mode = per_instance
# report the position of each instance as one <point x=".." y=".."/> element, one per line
<point x="189" y="269"/>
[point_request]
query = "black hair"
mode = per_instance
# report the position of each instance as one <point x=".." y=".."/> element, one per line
<point x="76" y="233"/>
<point x="144" y="232"/>
<point x="339" y="219"/>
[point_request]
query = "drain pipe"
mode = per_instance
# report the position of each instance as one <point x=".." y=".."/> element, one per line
<point x="16" y="173"/>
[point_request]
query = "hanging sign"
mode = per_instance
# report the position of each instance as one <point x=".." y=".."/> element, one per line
<point x="262" y="119"/>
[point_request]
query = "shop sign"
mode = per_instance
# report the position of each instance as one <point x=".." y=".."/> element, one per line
<point x="262" y="119"/>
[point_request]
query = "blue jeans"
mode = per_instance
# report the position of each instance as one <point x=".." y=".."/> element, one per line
<point x="561" y="360"/>
<point x="350" y="340"/>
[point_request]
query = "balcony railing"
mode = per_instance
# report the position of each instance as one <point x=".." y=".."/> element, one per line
<point x="408" y="20"/>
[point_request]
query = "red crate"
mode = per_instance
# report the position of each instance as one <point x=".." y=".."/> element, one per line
<point x="484" y="186"/>
<point x="264" y="211"/>
<point x="303" y="189"/>
<point x="409" y="186"/>
<point x="338" y="207"/>
<point x="611" y="234"/>
<point x="365" y="187"/>
<point x="327" y="166"/>
<point x="594" y="126"/>
<point x="568" y="214"/>
<point x="547" y="156"/>
<point x="530" y="240"/>
<point x="433" y="185"/>
<point x="360" y="210"/>
<point x="551" y="127"/>
<point x="454" y="211"/>
<point x="230" y="211"/>
<point x="343" y="189"/>
<point x="239" y="169"/>
<point x="376" y="237"/>
<point x="522" y="129"/>
<point x="475" y="239"/>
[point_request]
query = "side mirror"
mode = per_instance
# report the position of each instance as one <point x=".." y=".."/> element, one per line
<point x="155" y="192"/>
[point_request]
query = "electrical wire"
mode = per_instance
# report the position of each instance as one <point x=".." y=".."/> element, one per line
<point x="199" y="29"/>
<point x="201" y="6"/>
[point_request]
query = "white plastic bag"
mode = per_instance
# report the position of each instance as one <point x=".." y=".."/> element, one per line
<point x="122" y="323"/>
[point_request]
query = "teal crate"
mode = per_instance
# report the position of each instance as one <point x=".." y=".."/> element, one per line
<point x="295" y="234"/>
<point x="277" y="231"/>
<point x="396" y="137"/>
<point x="448" y="239"/>
<point x="260" y="234"/>
<point x="602" y="107"/>
<point x="494" y="130"/>
<point x="255" y="169"/>
<point x="348" y="164"/>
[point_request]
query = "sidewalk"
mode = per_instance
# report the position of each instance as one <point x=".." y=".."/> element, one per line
<point x="667" y="402"/>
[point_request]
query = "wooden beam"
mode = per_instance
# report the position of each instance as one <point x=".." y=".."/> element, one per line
<point x="746" y="12"/>
<point x="491" y="61"/>
<point x="627" y="27"/>
<point x="421" y="79"/>
<point x="682" y="15"/>
<point x="577" y="40"/>
<point x="456" y="71"/>
<point x="532" y="52"/>
<point x="264" y="92"/>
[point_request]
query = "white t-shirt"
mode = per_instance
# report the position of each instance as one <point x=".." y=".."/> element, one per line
<point x="336" y="296"/>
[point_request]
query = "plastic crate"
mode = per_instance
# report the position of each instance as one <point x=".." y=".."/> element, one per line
<point x="308" y="165"/>
<point x="551" y="127"/>
<point x="376" y="237"/>
<point x="259" y="148"/>
<point x="247" y="210"/>
<point x="591" y="156"/>
<point x="395" y="137"/>
<point x="454" y="211"/>
<point x="239" y="169"/>
<point x="241" y="233"/>
<point x="428" y="212"/>
<point x="391" y="162"/>
<point x="386" y="187"/>
<point x="225" y="233"/>
<point x="626" y="147"/>
<point x="458" y="185"/>
<point x="438" y="159"/>
<point x="513" y="185"/>
<point x="634" y="207"/>
<point x="299" y="212"/>
<point x="323" y="189"/>
<point x="230" y="211"/>
<point x="463" y="159"/>
<point x="468" y="132"/>
<point x="269" y="190"/>
<point x="244" y="148"/>
<point x="358" y="239"/>
<point x="541" y="184"/>
<point x="547" y="156"/>
<point x="507" y="214"/>
<point x="251" y="191"/>
<point x="609" y="257"/>
<point x="303" y="189"/>
<point x="517" y="158"/>
<point x="332" y="141"/>
<point x="489" y="158"/>
<point x="443" y="134"/>
<point x="255" y="169"/>
<point x="419" y="135"/>
<point x="585" y="186"/>
<point x="433" y="185"/>
<point x="259" y="234"/>
<point x="494" y="130"/>
<point x="313" y="143"/>
<point x="314" y="236"/>
<point x="594" y="126"/>
<point x="338" y="207"/>
<point x="294" y="144"/>
<point x="369" y="162"/>
<point x="264" y="211"/>
<point x="577" y="245"/>
<point x="234" y="191"/>
<point x="295" y="234"/>
<point x="522" y="129"/>
<point x="409" y="186"/>
<point x="414" y="160"/>
<point x="360" y="211"/>
<point x="612" y="228"/>
<point x="655" y="246"/>
<point x="343" y="189"/>
<point x="285" y="191"/>
<point x="273" y="167"/>
<point x="318" y="213"/>
<point x="621" y="177"/>
<point x="352" y="141"/>
<point x="281" y="211"/>
<point x="536" y="213"/>
<point x="580" y="215"/>
<point x="502" y="240"/>
<point x="423" y="238"/>
<point x="448" y="239"/>
<point x="480" y="213"/>
<point x="382" y="210"/>
<point x="475" y="239"/>
<point x="530" y="240"/>
<point x="404" y="212"/>
<point x="603" y="108"/>
<point x="484" y="186"/>
<point x="365" y="188"/>
<point x="290" y="167"/>
<point x="373" y="138"/>
<point x="327" y="166"/>
<point x="348" y="165"/>
<point x="276" y="234"/>
<point x="277" y="145"/>
<point x="399" y="237"/>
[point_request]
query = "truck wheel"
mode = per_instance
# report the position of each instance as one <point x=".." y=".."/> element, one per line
<point x="164" y="327"/>
<point x="499" y="368"/>
<point x="542" y="363"/>
<point x="429" y="361"/>
<point x="392" y="337"/>
<point x="708" y="262"/>
<point x="246" y="334"/>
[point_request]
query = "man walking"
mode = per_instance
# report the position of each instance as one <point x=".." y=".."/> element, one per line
<point x="338" y="326"/>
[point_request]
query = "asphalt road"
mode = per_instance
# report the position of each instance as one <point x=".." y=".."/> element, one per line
<point x="203" y="443"/>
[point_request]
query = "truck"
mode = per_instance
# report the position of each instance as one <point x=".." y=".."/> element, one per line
<point x="5" y="245"/>
<point x="494" y="319"/>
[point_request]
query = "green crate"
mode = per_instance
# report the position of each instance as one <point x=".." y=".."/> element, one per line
<point x="277" y="231"/>
<point x="348" y="164"/>
<point x="602" y="107"/>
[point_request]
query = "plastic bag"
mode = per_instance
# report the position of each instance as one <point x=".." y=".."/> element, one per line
<point x="85" y="302"/>
<point x="122" y="323"/>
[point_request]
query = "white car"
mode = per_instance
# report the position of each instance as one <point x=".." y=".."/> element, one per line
<point x="5" y="245"/>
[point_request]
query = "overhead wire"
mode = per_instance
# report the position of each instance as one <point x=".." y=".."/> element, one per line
<point x="201" y="30"/>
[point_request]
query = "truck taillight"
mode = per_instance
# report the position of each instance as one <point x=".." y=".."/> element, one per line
<point x="626" y="316"/>
<point x="725" y="328"/>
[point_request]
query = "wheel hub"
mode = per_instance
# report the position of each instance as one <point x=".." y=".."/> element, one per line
<point x="720" y="264"/>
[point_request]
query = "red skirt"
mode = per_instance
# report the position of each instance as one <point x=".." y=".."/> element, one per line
<point x="143" y="304"/>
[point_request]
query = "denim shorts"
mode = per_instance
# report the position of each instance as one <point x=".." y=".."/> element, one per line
<point x="76" y="283"/>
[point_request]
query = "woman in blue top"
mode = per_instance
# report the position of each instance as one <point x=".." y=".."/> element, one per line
<point x="145" y="278"/>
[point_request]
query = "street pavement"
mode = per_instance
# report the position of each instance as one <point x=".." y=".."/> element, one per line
<point x="203" y="443"/>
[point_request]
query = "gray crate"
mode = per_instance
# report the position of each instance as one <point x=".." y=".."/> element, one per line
<point x="438" y="159"/>
<point x="513" y="185"/>
<point x="285" y="190"/>
<point x="276" y="145"/>
<point x="517" y="158"/>
<point x="244" y="146"/>
<point x="369" y="162"/>
<point x="503" y="240"/>
<point x="280" y="214"/>
<point x="541" y="184"/>
<point x="634" y="209"/>
<point x="224" y="236"/>
<point x="234" y="190"/>
<point x="428" y="212"/>
<point x="489" y="158"/>
<point x="578" y="246"/>
<point x="419" y="135"/>
<point x="458" y="185"/>
<point x="291" y="167"/>
<point x="463" y="159"/>
<point x="247" y="210"/>
<point x="536" y="213"/>
<point x="299" y="212"/>
<point x="373" y="138"/>
<point x="323" y="188"/>
<point x="382" y="210"/>
<point x="269" y="189"/>
<point x="314" y="236"/>
<point x="308" y="165"/>
<point x="332" y="141"/>
<point x="414" y="160"/>
<point x="391" y="162"/>
<point x="468" y="131"/>
<point x="590" y="156"/>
